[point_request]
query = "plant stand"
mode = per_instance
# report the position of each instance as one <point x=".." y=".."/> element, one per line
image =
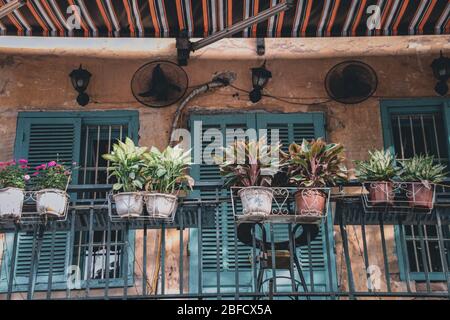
<point x="247" y="235"/>
<point x="403" y="195"/>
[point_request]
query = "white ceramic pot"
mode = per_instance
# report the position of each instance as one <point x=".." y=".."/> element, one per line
<point x="51" y="202"/>
<point x="11" y="202"/>
<point x="256" y="200"/>
<point x="161" y="205"/>
<point x="129" y="204"/>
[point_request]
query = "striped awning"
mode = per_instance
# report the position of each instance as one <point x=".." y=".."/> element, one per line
<point x="165" y="18"/>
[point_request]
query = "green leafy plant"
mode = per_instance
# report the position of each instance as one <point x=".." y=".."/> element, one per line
<point x="126" y="165"/>
<point x="51" y="175"/>
<point x="165" y="171"/>
<point x="381" y="166"/>
<point x="14" y="174"/>
<point x="250" y="163"/>
<point x="316" y="164"/>
<point x="422" y="168"/>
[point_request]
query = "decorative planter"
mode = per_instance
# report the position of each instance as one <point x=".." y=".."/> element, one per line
<point x="11" y="202"/>
<point x="381" y="193"/>
<point x="160" y="205"/>
<point x="129" y="204"/>
<point x="256" y="200"/>
<point x="310" y="202"/>
<point x="51" y="202"/>
<point x="420" y="196"/>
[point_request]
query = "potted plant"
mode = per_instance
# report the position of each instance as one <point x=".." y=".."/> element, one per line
<point x="422" y="173"/>
<point x="13" y="177"/>
<point x="252" y="166"/>
<point x="165" y="176"/>
<point x="51" y="180"/>
<point x="379" y="171"/>
<point x="126" y="164"/>
<point x="312" y="166"/>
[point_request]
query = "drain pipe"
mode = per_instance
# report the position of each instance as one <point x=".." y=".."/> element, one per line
<point x="219" y="81"/>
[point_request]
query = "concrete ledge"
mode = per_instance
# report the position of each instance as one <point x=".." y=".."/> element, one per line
<point x="236" y="48"/>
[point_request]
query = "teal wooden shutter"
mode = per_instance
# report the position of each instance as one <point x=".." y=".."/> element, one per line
<point x="292" y="127"/>
<point x="227" y="252"/>
<point x="41" y="140"/>
<point x="295" y="127"/>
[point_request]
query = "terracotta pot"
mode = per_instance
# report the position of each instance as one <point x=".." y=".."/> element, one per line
<point x="310" y="202"/>
<point x="380" y="193"/>
<point x="11" y="202"/>
<point x="51" y="202"/>
<point x="256" y="200"/>
<point x="129" y="204"/>
<point x="419" y="196"/>
<point x="161" y="205"/>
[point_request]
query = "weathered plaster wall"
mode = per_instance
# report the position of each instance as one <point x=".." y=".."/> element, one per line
<point x="36" y="79"/>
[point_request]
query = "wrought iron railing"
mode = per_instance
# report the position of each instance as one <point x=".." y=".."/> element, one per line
<point x="350" y="255"/>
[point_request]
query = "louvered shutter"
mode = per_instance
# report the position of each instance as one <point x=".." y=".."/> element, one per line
<point x="292" y="127"/>
<point x="313" y="260"/>
<point x="42" y="140"/>
<point x="227" y="251"/>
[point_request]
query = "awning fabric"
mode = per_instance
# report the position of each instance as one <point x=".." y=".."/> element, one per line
<point x="165" y="18"/>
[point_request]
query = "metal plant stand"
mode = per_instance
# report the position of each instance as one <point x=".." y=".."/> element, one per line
<point x="246" y="234"/>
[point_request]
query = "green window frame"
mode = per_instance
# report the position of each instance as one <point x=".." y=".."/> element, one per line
<point x="413" y="107"/>
<point x="62" y="132"/>
<point x="293" y="127"/>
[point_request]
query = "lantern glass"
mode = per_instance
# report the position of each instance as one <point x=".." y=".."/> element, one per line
<point x="260" y="76"/>
<point x="441" y="68"/>
<point x="80" y="79"/>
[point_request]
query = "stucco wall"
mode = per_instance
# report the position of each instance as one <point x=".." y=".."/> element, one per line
<point x="37" y="80"/>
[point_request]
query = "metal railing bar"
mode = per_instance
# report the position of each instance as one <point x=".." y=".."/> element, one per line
<point x="50" y="272"/>
<point x="12" y="264"/>
<point x="404" y="249"/>
<point x="163" y="258"/>
<point x="236" y="263"/>
<point x="181" y="217"/>
<point x="347" y="256"/>
<point x="125" y="260"/>
<point x="90" y="249"/>
<point x="218" y="248"/>
<point x="274" y="260"/>
<point x="310" y="261"/>
<point x="72" y="244"/>
<point x="200" y="250"/>
<point x="291" y="258"/>
<point x="385" y="257"/>
<point x="108" y="253"/>
<point x="144" y="261"/>
<point x="328" y="253"/>
<point x="442" y="251"/>
<point x="424" y="257"/>
<point x="365" y="252"/>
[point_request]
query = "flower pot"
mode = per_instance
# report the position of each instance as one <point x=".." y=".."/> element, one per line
<point x="256" y="200"/>
<point x="51" y="202"/>
<point x="11" y="202"/>
<point x="310" y="202"/>
<point x="420" y="195"/>
<point x="129" y="204"/>
<point x="380" y="193"/>
<point x="161" y="205"/>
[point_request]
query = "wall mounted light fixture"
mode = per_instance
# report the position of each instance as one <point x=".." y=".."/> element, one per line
<point x="260" y="77"/>
<point x="441" y="71"/>
<point x="80" y="80"/>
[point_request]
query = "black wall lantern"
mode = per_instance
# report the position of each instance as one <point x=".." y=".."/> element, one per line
<point x="80" y="80"/>
<point x="260" y="77"/>
<point x="441" y="70"/>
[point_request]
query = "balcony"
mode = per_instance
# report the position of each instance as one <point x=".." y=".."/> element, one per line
<point x="349" y="254"/>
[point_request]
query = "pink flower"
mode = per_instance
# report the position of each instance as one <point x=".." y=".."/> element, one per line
<point x="26" y="177"/>
<point x="23" y="161"/>
<point x="23" y="167"/>
<point x="35" y="174"/>
<point x="67" y="172"/>
<point x="51" y="164"/>
<point x="2" y="164"/>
